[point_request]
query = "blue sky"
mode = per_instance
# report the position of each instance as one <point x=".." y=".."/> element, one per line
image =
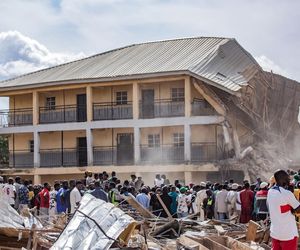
<point x="36" y="34"/>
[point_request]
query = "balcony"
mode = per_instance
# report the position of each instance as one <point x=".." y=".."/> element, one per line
<point x="105" y="155"/>
<point x="112" y="111"/>
<point x="62" y="114"/>
<point x="161" y="108"/>
<point x="203" y="152"/>
<point x="201" y="107"/>
<point x="15" y="117"/>
<point x="163" y="154"/>
<point x="21" y="159"/>
<point x="68" y="157"/>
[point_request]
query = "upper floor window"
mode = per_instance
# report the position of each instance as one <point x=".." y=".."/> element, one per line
<point x="177" y="94"/>
<point x="153" y="140"/>
<point x="121" y="97"/>
<point x="50" y="103"/>
<point x="31" y="146"/>
<point x="178" y="139"/>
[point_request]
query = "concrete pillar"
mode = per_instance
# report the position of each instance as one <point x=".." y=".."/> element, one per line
<point x="137" y="149"/>
<point x="187" y="97"/>
<point x="35" y="108"/>
<point x="89" y="143"/>
<point x="188" y="177"/>
<point x="135" y="100"/>
<point x="36" y="151"/>
<point x="187" y="143"/>
<point x="89" y="103"/>
<point x="37" y="179"/>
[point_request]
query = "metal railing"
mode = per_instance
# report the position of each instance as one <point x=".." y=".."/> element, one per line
<point x="203" y="152"/>
<point x="21" y="159"/>
<point x="15" y="117"/>
<point x="163" y="154"/>
<point x="105" y="155"/>
<point x="201" y="107"/>
<point x="67" y="157"/>
<point x="62" y="114"/>
<point x="112" y="111"/>
<point x="162" y="108"/>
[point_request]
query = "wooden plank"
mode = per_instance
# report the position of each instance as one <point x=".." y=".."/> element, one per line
<point x="220" y="229"/>
<point x="143" y="211"/>
<point x="190" y="244"/>
<point x="164" y="207"/>
<point x="213" y="245"/>
<point x="252" y="230"/>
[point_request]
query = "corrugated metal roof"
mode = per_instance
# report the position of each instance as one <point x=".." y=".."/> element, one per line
<point x="220" y="60"/>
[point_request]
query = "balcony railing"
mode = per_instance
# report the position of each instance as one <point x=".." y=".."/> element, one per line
<point x="112" y="111"/>
<point x="163" y="154"/>
<point x="105" y="155"/>
<point x="201" y="107"/>
<point x="21" y="159"/>
<point x="162" y="108"/>
<point x="62" y="114"/>
<point x="15" y="117"/>
<point x="203" y="152"/>
<point x="67" y="157"/>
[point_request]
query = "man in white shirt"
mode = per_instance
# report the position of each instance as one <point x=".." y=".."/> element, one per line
<point x="201" y="195"/>
<point x="75" y="196"/>
<point x="281" y="204"/>
<point x="1" y="188"/>
<point x="10" y="192"/>
<point x="158" y="182"/>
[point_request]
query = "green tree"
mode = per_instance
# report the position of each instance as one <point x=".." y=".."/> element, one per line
<point x="4" y="154"/>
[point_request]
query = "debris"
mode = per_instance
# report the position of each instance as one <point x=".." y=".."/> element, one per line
<point x="251" y="232"/>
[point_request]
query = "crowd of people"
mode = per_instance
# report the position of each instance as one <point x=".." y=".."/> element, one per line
<point x="228" y="200"/>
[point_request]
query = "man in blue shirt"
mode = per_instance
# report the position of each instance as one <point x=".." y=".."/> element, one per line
<point x="143" y="198"/>
<point x="61" y="199"/>
<point x="99" y="193"/>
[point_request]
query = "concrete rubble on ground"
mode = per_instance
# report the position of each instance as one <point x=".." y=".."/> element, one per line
<point x="100" y="225"/>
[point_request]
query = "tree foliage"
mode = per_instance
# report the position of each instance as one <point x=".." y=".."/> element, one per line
<point x="4" y="154"/>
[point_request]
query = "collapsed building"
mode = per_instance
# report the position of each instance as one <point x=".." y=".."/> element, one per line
<point x="193" y="109"/>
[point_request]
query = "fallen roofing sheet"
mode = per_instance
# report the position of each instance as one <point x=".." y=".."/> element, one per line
<point x="95" y="225"/>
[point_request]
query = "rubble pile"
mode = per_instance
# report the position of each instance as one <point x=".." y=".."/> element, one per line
<point x="100" y="225"/>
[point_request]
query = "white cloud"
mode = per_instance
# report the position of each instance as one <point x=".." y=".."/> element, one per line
<point x="268" y="65"/>
<point x="21" y="54"/>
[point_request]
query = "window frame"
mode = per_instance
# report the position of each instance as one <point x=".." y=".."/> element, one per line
<point x="50" y="103"/>
<point x="122" y="97"/>
<point x="177" y="94"/>
<point x="154" y="140"/>
<point x="178" y="139"/>
<point x="31" y="146"/>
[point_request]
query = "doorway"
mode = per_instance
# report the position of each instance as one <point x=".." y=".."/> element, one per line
<point x="82" y="151"/>
<point x="81" y="108"/>
<point x="125" y="150"/>
<point x="147" y="103"/>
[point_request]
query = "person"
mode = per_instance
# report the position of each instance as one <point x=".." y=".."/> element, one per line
<point x="75" y="196"/>
<point x="1" y="188"/>
<point x="44" y="196"/>
<point x="158" y="182"/>
<point x="201" y="195"/>
<point x="183" y="203"/>
<point x="143" y="198"/>
<point x="72" y="184"/>
<point x="282" y="203"/>
<point x="10" y="192"/>
<point x="154" y="202"/>
<point x="61" y="201"/>
<point x="139" y="183"/>
<point x="53" y="200"/>
<point x="208" y="205"/>
<point x="173" y="194"/>
<point x="221" y="205"/>
<point x="231" y="200"/>
<point x="133" y="180"/>
<point x="23" y="195"/>
<point x="99" y="193"/>
<point x="260" y="203"/>
<point x="247" y="199"/>
<point x="167" y="200"/>
<point x="112" y="194"/>
<point x="89" y="178"/>
<point x="165" y="180"/>
<point x="17" y="185"/>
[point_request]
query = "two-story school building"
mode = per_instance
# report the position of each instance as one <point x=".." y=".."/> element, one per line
<point x="145" y="109"/>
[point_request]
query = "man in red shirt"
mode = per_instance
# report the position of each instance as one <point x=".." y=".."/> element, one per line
<point x="45" y="199"/>
<point x="247" y="199"/>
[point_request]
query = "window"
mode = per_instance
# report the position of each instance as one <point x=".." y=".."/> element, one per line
<point x="50" y="103"/>
<point x="177" y="94"/>
<point x="121" y="97"/>
<point x="153" y="140"/>
<point x="178" y="139"/>
<point x="31" y="146"/>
